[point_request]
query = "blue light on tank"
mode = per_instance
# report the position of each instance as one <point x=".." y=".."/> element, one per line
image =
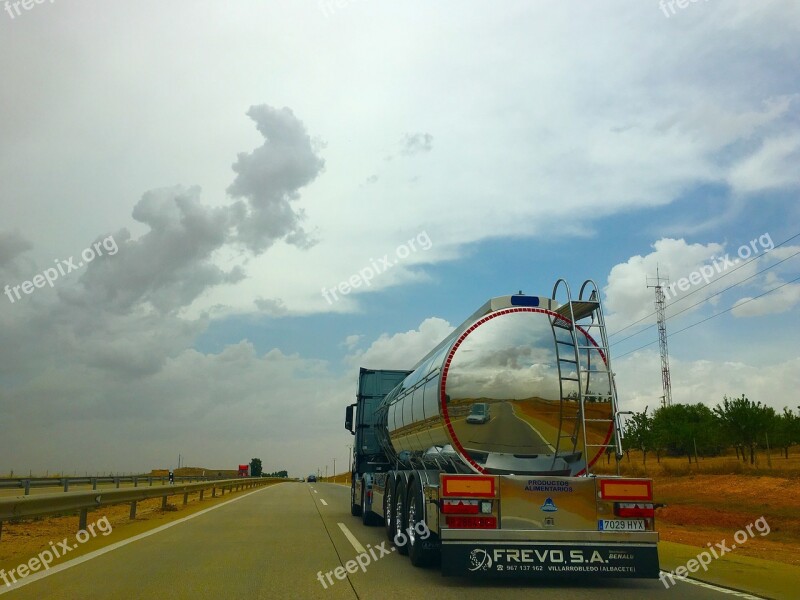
<point x="524" y="300"/>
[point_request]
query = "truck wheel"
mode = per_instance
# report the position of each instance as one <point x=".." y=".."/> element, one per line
<point x="368" y="517"/>
<point x="355" y="509"/>
<point x="388" y="507"/>
<point x="400" y="537"/>
<point x="423" y="552"/>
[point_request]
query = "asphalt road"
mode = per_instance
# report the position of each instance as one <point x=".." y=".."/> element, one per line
<point x="272" y="543"/>
<point x="518" y="436"/>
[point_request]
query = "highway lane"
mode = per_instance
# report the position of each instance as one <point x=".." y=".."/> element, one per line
<point x="393" y="576"/>
<point x="275" y="543"/>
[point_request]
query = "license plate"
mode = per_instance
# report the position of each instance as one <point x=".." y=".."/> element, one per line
<point x="621" y="525"/>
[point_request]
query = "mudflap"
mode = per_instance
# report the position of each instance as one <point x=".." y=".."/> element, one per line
<point x="548" y="560"/>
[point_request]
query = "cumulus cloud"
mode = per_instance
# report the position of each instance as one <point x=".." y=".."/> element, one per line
<point x="416" y="143"/>
<point x="780" y="297"/>
<point x="627" y="294"/>
<point x="12" y="245"/>
<point x="272" y="306"/>
<point x="172" y="264"/>
<point x="236" y="395"/>
<point x="402" y="350"/>
<point x="269" y="179"/>
<point x="167" y="267"/>
<point x="772" y="166"/>
<point x="706" y="381"/>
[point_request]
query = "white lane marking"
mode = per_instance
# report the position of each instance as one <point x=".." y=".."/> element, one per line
<point x="323" y="502"/>
<point x="711" y="586"/>
<point x="514" y="412"/>
<point x="87" y="557"/>
<point x="352" y="539"/>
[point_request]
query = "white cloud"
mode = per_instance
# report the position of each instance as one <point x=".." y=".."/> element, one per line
<point x="706" y="381"/>
<point x="785" y="297"/>
<point x="627" y="296"/>
<point x="772" y="166"/>
<point x="402" y="350"/>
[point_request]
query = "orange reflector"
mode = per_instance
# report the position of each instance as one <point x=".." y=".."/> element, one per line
<point x="468" y="486"/>
<point x="626" y="489"/>
<point x="472" y="522"/>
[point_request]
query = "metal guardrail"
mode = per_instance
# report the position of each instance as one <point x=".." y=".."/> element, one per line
<point x="26" y="483"/>
<point x="40" y="505"/>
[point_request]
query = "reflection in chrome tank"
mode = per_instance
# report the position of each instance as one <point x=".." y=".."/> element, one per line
<point x="509" y="364"/>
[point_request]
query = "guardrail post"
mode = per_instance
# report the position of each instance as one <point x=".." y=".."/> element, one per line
<point x="150" y="479"/>
<point x="133" y="510"/>
<point x="135" y="482"/>
<point x="214" y="492"/>
<point x="201" y="496"/>
<point x="164" y="503"/>
<point x="94" y="483"/>
<point x="27" y="487"/>
<point x="185" y="498"/>
<point x="65" y="481"/>
<point x="116" y="482"/>
<point x="82" y="520"/>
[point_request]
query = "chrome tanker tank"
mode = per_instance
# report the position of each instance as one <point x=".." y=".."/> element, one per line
<point x="503" y="394"/>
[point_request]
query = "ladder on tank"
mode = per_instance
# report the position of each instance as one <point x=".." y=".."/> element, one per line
<point x="585" y="367"/>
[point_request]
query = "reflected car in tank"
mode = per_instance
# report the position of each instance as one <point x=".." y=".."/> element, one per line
<point x="478" y="414"/>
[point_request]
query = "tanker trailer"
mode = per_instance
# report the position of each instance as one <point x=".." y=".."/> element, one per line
<point x="515" y="493"/>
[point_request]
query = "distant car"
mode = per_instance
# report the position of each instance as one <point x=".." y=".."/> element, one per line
<point x="312" y="479"/>
<point x="479" y="413"/>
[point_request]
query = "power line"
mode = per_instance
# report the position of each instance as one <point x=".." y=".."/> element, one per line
<point x="725" y="274"/>
<point x="712" y="316"/>
<point x="707" y="299"/>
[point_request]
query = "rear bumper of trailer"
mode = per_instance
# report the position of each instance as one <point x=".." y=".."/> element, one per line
<point x="548" y="554"/>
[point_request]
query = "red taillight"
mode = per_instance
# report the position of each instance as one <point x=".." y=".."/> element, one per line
<point x="460" y="507"/>
<point x="472" y="522"/>
<point x="622" y="509"/>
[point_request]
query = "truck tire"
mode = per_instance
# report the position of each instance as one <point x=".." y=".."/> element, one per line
<point x="368" y="517"/>
<point x="388" y="507"/>
<point x="355" y="509"/>
<point x="400" y="538"/>
<point x="422" y="552"/>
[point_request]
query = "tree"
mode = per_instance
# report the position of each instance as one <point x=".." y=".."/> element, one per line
<point x="639" y="433"/>
<point x="283" y="474"/>
<point x="685" y="429"/>
<point x="745" y="422"/>
<point x="785" y="431"/>
<point x="255" y="467"/>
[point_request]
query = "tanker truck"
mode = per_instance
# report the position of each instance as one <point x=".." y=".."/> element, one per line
<point x="515" y="487"/>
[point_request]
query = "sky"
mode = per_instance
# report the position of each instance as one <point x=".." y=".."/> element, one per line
<point x="224" y="210"/>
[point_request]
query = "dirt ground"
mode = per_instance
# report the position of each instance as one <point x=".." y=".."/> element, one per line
<point x="704" y="509"/>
